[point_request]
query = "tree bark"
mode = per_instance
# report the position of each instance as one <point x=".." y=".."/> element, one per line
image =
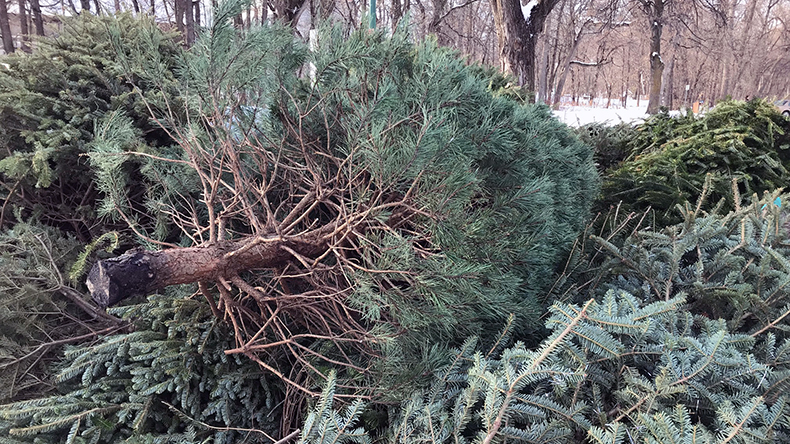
<point x="24" y="29"/>
<point x="113" y="280"/>
<point x="543" y="67"/>
<point x="655" y="13"/>
<point x="517" y="36"/>
<point x="38" y="19"/>
<point x="189" y="14"/>
<point x="669" y="88"/>
<point x="434" y="26"/>
<point x="287" y="11"/>
<point x="178" y="10"/>
<point x="5" y="28"/>
<point x="86" y="5"/>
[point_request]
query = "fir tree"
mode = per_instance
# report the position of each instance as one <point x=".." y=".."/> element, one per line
<point x="732" y="266"/>
<point x="40" y="310"/>
<point x="50" y="100"/>
<point x="167" y="381"/>
<point x="615" y="371"/>
<point x="672" y="157"/>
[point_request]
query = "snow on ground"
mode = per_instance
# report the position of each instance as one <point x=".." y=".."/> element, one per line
<point x="582" y="115"/>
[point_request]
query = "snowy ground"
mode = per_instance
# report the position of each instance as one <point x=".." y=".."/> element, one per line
<point x="582" y="115"/>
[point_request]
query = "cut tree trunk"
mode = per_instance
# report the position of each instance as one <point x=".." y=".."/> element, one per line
<point x="138" y="273"/>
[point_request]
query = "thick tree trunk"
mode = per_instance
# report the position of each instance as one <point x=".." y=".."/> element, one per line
<point x="517" y="36"/>
<point x="5" y="28"/>
<point x="656" y="15"/>
<point x="86" y="5"/>
<point x="113" y="280"/>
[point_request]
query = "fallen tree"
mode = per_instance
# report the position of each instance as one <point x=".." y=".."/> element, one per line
<point x="364" y="218"/>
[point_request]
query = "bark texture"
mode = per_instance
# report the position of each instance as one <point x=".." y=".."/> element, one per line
<point x="5" y="28"/>
<point x="113" y="280"/>
<point x="655" y="13"/>
<point x="38" y="19"/>
<point x="517" y="36"/>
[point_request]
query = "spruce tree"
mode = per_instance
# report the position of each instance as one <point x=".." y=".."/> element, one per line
<point x="169" y="380"/>
<point x="41" y="311"/>
<point x="50" y="101"/>
<point x="671" y="158"/>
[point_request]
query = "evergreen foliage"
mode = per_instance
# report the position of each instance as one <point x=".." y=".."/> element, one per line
<point x="612" y="144"/>
<point x="671" y="158"/>
<point x="39" y="311"/>
<point x="167" y="381"/>
<point x="490" y="194"/>
<point x="615" y="371"/>
<point x="459" y="204"/>
<point x="732" y="266"/>
<point x="685" y="342"/>
<point x="49" y="102"/>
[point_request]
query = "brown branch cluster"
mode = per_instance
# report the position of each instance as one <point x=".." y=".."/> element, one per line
<point x="278" y="229"/>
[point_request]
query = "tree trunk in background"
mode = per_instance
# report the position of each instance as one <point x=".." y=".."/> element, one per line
<point x="5" y="28"/>
<point x="517" y="36"/>
<point x="434" y="27"/>
<point x="178" y="12"/>
<point x="543" y="67"/>
<point x="655" y="13"/>
<point x="729" y="53"/>
<point x="38" y="19"/>
<point x="566" y="67"/>
<point x="196" y="10"/>
<point x="669" y="88"/>
<point x="189" y="14"/>
<point x="287" y="11"/>
<point x="86" y="5"/>
<point x="23" y="26"/>
<point x="744" y="47"/>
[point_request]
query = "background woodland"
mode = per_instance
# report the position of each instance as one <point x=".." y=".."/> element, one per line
<point x="612" y="52"/>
